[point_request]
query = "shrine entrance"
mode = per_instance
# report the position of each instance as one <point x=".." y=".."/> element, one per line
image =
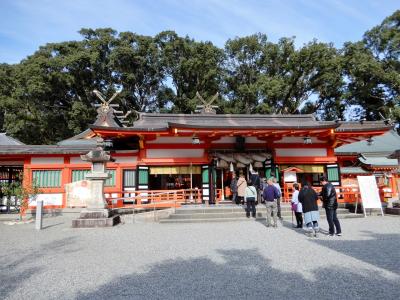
<point x="300" y="174"/>
<point x="174" y="177"/>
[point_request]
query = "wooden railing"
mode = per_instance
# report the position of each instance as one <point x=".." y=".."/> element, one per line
<point x="163" y="198"/>
<point x="175" y="198"/>
<point x="344" y="194"/>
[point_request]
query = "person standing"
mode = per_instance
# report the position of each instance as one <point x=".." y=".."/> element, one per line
<point x="329" y="200"/>
<point x="241" y="189"/>
<point x="234" y="188"/>
<point x="250" y="197"/>
<point x="297" y="207"/>
<point x="308" y="199"/>
<point x="263" y="184"/>
<point x="255" y="179"/>
<point x="278" y="200"/>
<point x="270" y="194"/>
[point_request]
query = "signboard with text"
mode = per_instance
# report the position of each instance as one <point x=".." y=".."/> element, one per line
<point x="369" y="192"/>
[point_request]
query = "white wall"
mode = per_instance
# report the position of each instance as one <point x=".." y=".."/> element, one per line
<point x="171" y="140"/>
<point x="78" y="160"/>
<point x="296" y="139"/>
<point x="125" y="159"/>
<point x="301" y="152"/>
<point x="174" y="153"/>
<point x="47" y="160"/>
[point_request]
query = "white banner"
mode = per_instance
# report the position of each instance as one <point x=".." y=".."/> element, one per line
<point x="369" y="192"/>
<point x="48" y="199"/>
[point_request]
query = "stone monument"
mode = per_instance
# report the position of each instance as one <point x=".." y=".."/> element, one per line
<point x="96" y="213"/>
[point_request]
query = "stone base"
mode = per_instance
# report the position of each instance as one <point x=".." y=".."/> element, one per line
<point x="95" y="214"/>
<point x="96" y="218"/>
<point x="92" y="223"/>
<point x="393" y="211"/>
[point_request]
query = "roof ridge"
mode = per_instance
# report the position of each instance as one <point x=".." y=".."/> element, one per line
<point x="227" y="115"/>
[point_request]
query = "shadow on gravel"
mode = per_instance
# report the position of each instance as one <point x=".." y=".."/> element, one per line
<point x="243" y="274"/>
<point x="380" y="250"/>
<point x="53" y="225"/>
<point x="13" y="272"/>
<point x="291" y="226"/>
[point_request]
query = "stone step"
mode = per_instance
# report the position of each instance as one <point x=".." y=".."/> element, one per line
<point x="236" y="214"/>
<point x="219" y="210"/>
<point x="238" y="219"/>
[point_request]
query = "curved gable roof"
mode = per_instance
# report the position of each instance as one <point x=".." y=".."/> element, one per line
<point x="384" y="144"/>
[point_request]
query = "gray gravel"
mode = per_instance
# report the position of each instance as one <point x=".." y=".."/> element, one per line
<point x="197" y="261"/>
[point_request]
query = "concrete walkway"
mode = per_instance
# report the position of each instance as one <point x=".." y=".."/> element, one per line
<point x="238" y="260"/>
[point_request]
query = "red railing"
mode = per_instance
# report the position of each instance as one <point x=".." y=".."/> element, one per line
<point x="175" y="198"/>
<point x="344" y="194"/>
<point x="160" y="198"/>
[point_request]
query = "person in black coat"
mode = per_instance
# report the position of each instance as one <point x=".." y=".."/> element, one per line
<point x="256" y="180"/>
<point x="308" y="199"/>
<point x="329" y="199"/>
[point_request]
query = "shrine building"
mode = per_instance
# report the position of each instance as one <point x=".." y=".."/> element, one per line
<point x="189" y="156"/>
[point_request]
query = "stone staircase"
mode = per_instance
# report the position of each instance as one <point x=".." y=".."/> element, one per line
<point x="229" y="213"/>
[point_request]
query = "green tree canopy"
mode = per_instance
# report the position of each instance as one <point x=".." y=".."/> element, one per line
<point x="54" y="86"/>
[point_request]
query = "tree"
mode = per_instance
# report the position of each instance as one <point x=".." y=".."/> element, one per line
<point x="136" y="63"/>
<point x="190" y="67"/>
<point x="383" y="42"/>
<point x="268" y="77"/>
<point x="370" y="85"/>
<point x="244" y="57"/>
<point x="6" y="89"/>
<point x="18" y="194"/>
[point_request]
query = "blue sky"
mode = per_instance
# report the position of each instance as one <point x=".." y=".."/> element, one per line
<point x="27" y="24"/>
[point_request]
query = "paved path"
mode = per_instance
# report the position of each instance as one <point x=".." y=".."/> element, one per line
<point x="199" y="261"/>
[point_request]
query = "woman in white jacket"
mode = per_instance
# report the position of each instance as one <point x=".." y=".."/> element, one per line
<point x="250" y="197"/>
<point x="297" y="207"/>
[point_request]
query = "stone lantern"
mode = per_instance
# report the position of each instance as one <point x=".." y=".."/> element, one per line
<point x="96" y="213"/>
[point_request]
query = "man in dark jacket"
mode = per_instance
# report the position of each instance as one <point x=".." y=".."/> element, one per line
<point x="330" y="204"/>
<point x="270" y="194"/>
<point x="255" y="179"/>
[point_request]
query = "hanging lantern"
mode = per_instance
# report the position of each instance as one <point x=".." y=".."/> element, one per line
<point x="231" y="167"/>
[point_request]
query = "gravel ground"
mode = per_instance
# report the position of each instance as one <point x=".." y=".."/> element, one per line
<point x="197" y="261"/>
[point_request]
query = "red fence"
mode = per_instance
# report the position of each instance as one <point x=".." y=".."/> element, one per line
<point x="175" y="198"/>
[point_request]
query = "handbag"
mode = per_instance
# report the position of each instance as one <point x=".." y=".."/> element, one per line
<point x="294" y="207"/>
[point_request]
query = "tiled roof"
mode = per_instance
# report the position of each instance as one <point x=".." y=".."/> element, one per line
<point x="8" y="140"/>
<point x="44" y="149"/>
<point x="352" y="170"/>
<point x="378" y="161"/>
<point x="163" y="121"/>
<point x="79" y="139"/>
<point x="384" y="144"/>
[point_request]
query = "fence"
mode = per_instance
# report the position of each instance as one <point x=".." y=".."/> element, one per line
<point x="158" y="198"/>
<point x="175" y="198"/>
